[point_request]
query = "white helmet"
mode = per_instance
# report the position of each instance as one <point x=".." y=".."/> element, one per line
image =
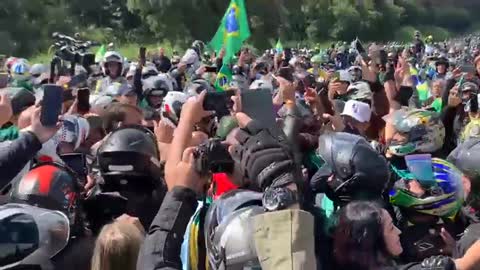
<point x="172" y="107"/>
<point x="112" y="56"/>
<point x="37" y="70"/>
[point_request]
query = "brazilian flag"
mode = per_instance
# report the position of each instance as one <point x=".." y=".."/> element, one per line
<point x="224" y="78"/>
<point x="279" y="46"/>
<point x="233" y="30"/>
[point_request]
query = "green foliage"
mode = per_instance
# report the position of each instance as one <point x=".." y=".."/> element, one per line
<point x="26" y="25"/>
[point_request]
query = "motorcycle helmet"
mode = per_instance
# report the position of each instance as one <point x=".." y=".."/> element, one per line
<point x="157" y="86"/>
<point x="360" y="91"/>
<point x="352" y="168"/>
<point x="112" y="57"/>
<point x="172" y="107"/>
<point x="9" y="63"/>
<point x="198" y="46"/>
<point x="441" y="184"/>
<point x="37" y="70"/>
<point x="20" y="70"/>
<point x="229" y="230"/>
<point x="423" y="129"/>
<point x="197" y="86"/>
<point x="31" y="236"/>
<point x="148" y="71"/>
<point x="74" y="130"/>
<point x="51" y="186"/>
<point x="465" y="157"/>
<point x="317" y="59"/>
<point x="356" y="73"/>
<point x="129" y="159"/>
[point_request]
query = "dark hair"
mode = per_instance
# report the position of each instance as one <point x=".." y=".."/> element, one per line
<point x="116" y="113"/>
<point x="358" y="238"/>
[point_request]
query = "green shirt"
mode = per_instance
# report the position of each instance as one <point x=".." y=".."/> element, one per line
<point x="8" y="132"/>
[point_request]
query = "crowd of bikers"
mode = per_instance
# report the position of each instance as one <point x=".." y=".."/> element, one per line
<point x="351" y="157"/>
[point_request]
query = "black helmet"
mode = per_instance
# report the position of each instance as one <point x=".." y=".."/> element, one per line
<point x="197" y="86"/>
<point x="31" y="236"/>
<point x="129" y="159"/>
<point x="51" y="186"/>
<point x="357" y="170"/>
<point x="155" y="86"/>
<point x="229" y="229"/>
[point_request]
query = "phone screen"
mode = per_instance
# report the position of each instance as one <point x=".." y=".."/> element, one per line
<point x="83" y="97"/>
<point x="51" y="104"/>
<point x="143" y="54"/>
<point x="258" y="104"/>
<point x="210" y="69"/>
<point x="219" y="102"/>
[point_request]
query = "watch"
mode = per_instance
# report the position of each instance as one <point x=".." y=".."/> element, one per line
<point x="278" y="198"/>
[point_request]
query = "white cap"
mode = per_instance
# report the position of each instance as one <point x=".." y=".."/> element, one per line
<point x="358" y="110"/>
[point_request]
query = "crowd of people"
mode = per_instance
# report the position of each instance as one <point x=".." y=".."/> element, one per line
<point x="353" y="157"/>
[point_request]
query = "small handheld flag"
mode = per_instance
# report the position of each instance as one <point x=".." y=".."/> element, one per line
<point x="224" y="78"/>
<point x="279" y="47"/>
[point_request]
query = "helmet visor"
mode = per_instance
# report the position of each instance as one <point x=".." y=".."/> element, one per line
<point x="25" y="229"/>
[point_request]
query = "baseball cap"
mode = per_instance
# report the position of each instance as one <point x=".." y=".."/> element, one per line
<point x="358" y="110"/>
<point x="470" y="87"/>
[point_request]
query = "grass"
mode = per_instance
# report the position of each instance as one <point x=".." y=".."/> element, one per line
<point x="130" y="51"/>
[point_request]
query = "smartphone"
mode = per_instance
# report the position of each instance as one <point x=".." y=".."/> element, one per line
<point x="51" y="104"/>
<point x="20" y="98"/>
<point x="460" y="84"/>
<point x="359" y="47"/>
<point x="258" y="104"/>
<point x="3" y="80"/>
<point x="220" y="102"/>
<point x="77" y="162"/>
<point x="83" y="97"/>
<point x="143" y="55"/>
<point x="210" y="69"/>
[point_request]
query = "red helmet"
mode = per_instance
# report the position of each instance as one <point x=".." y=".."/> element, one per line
<point x="51" y="186"/>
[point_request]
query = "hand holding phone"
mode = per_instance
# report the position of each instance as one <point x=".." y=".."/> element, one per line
<point x="143" y="55"/>
<point x="51" y="105"/>
<point x="83" y="100"/>
<point x="220" y="102"/>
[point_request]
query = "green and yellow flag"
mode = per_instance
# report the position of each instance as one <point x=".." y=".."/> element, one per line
<point x="233" y="30"/>
<point x="100" y="53"/>
<point x="224" y="78"/>
<point x="279" y="46"/>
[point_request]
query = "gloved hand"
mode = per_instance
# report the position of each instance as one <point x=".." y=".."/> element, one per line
<point x="261" y="160"/>
<point x="438" y="263"/>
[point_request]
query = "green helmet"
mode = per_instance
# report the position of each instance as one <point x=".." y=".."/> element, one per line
<point x="442" y="185"/>
<point x="423" y="129"/>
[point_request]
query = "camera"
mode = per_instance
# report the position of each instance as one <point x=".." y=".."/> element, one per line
<point x="213" y="157"/>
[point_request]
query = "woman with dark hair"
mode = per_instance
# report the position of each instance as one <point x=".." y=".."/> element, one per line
<point x="365" y="237"/>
